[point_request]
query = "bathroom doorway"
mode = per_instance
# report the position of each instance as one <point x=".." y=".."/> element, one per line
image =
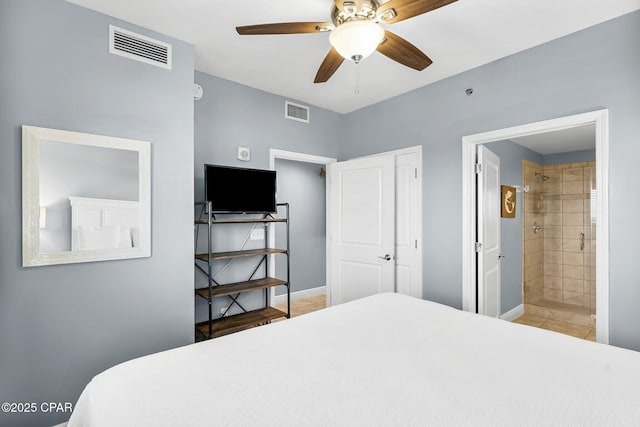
<point x="559" y="218"/>
<point x="599" y="121"/>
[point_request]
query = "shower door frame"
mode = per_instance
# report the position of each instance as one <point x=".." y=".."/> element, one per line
<point x="599" y="118"/>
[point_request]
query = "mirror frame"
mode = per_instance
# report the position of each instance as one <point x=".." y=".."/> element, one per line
<point x="31" y="255"/>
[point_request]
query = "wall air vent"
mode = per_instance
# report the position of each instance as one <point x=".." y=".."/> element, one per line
<point x="296" y="112"/>
<point x="136" y="46"/>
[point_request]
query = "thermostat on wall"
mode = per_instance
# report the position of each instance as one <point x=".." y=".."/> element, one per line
<point x="244" y="154"/>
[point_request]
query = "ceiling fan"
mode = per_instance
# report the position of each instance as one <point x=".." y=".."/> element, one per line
<point x="356" y="32"/>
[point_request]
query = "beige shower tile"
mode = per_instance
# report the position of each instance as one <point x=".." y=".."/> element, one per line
<point x="553" y="270"/>
<point x="572" y="206"/>
<point x="553" y="231"/>
<point x="573" y="272"/>
<point x="536" y="310"/>
<point x="552" y="219"/>
<point x="553" y="294"/>
<point x="571" y="245"/>
<point x="576" y="298"/>
<point x="579" y="196"/>
<point x="553" y="206"/>
<point x="588" y="185"/>
<point x="573" y="174"/>
<point x="551" y="167"/>
<point x="592" y="287"/>
<point x="552" y="282"/>
<point x="573" y="258"/>
<point x="531" y="246"/>
<point x="530" y="320"/>
<point x="553" y="257"/>
<point x="555" y="175"/>
<point x="579" y="164"/>
<point x="533" y="217"/>
<point x="551" y="244"/>
<point x="593" y="246"/>
<point x="577" y="331"/>
<point x="586" y="205"/>
<point x="589" y="172"/>
<point x="573" y="187"/>
<point x="586" y="218"/>
<point x="535" y="258"/>
<point x="572" y="285"/>
<point x="593" y="163"/>
<point x="552" y="187"/>
<point x="572" y="231"/>
<point x="572" y="219"/>
<point x="592" y="273"/>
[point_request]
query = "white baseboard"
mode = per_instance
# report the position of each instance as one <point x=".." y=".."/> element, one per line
<point x="307" y="293"/>
<point x="513" y="314"/>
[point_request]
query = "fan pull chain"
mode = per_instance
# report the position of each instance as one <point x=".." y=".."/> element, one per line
<point x="356" y="89"/>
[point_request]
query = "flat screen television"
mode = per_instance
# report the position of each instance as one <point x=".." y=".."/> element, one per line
<point x="240" y="190"/>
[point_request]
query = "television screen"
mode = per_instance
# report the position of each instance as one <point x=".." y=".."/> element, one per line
<point x="231" y="189"/>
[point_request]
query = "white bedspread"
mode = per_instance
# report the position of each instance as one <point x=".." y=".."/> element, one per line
<point x="386" y="360"/>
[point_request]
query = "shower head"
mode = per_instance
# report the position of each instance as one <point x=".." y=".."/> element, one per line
<point x="541" y="177"/>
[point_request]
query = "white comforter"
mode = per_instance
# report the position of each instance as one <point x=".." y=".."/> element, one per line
<point x="386" y="360"/>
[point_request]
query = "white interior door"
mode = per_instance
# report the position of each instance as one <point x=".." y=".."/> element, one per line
<point x="361" y="203"/>
<point x="408" y="217"/>
<point x="488" y="233"/>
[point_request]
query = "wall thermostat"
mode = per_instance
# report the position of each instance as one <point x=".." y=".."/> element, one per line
<point x="244" y="154"/>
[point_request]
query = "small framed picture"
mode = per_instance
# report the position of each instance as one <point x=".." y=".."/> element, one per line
<point x="508" y="202"/>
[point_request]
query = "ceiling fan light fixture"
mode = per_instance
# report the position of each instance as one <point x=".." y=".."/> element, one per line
<point x="355" y="40"/>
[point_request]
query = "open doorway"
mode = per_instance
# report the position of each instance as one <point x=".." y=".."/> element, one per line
<point x="301" y="183"/>
<point x="597" y="208"/>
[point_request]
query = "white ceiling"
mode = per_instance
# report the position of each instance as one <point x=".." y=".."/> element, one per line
<point x="560" y="141"/>
<point x="457" y="37"/>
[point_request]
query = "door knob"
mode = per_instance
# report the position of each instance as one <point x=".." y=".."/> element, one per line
<point x="387" y="257"/>
<point x="500" y="256"/>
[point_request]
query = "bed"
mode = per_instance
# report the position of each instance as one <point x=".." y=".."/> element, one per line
<point x="104" y="223"/>
<point x="385" y="360"/>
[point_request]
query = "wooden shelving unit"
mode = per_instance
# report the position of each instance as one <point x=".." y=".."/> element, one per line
<point x="226" y="324"/>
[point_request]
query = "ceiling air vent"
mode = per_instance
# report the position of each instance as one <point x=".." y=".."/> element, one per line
<point x="296" y="112"/>
<point x="136" y="46"/>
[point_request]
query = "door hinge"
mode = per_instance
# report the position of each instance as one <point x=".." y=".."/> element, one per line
<point x="478" y="246"/>
<point x="478" y="168"/>
<point x="416" y="243"/>
<point x="416" y="173"/>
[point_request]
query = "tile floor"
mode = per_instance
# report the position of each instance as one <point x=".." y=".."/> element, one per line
<point x="307" y="305"/>
<point x="578" y="331"/>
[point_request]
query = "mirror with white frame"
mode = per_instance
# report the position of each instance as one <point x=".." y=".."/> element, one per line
<point x="84" y="197"/>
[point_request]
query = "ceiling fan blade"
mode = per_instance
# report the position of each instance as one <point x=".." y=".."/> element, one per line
<point x="405" y="9"/>
<point x="331" y="62"/>
<point x="285" y="28"/>
<point x="400" y="50"/>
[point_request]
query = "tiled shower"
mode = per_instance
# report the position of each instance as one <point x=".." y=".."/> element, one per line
<point x="559" y="238"/>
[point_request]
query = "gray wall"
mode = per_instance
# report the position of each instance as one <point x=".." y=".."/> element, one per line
<point x="81" y="171"/>
<point x="231" y="115"/>
<point x="61" y="325"/>
<point x="511" y="156"/>
<point x="301" y="185"/>
<point x="572" y="157"/>
<point x="592" y="69"/>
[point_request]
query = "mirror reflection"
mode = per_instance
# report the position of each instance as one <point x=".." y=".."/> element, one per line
<point x="88" y="198"/>
<point x="85" y="197"/>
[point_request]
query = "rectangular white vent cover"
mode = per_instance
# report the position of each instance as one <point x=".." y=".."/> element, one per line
<point x="136" y="46"/>
<point x="296" y="112"/>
